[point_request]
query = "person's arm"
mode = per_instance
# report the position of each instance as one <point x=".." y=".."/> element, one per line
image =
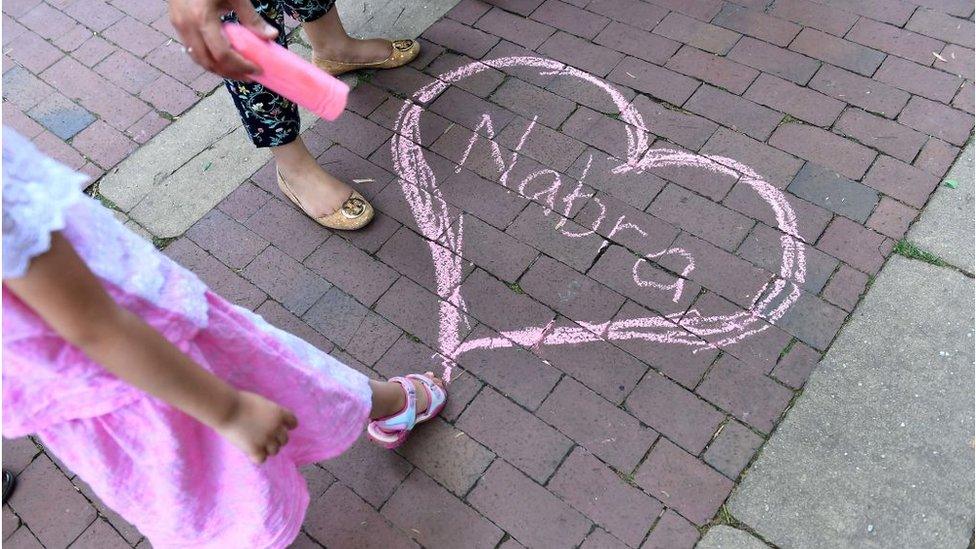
<point x="61" y="289"/>
<point x="198" y="23"/>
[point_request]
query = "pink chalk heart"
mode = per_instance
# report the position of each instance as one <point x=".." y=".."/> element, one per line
<point x="445" y="234"/>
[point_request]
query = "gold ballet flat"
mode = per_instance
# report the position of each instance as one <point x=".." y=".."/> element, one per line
<point x="404" y="51"/>
<point x="356" y="212"/>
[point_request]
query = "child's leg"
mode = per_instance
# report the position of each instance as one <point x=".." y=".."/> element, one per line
<point x="388" y="397"/>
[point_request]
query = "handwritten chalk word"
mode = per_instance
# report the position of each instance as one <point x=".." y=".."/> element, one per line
<point x="445" y="234"/>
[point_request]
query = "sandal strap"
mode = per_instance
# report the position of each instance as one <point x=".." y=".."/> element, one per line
<point x="436" y="397"/>
<point x="405" y="419"/>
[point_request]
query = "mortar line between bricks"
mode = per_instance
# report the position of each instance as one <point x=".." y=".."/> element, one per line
<point x="751" y="82"/>
<point x="600" y="253"/>
<point x="918" y="211"/>
<point x="505" y="535"/>
<point x="955" y="158"/>
<point x="574" y="444"/>
<point x="654" y="524"/>
<point x="548" y="491"/>
<point x="20" y="519"/>
<point x="623" y="408"/>
<point x="461" y="497"/>
<point x="773" y="377"/>
<point x="477" y="482"/>
<point x="529" y="267"/>
<point x="745" y="236"/>
<point x="654" y="197"/>
<point x="310" y="537"/>
<point x="598" y="458"/>
<point x="726" y="54"/>
<point x="644" y="458"/>
<point x="603" y="249"/>
<point x="32" y="533"/>
<point x="593" y="528"/>
<point x="646" y="366"/>
<point x="709" y="368"/>
<point x="559" y="466"/>
<point x="379" y="508"/>
<point x="848" y="317"/>
<point x="715" y="131"/>
<point x="653" y="261"/>
<point x="725" y="421"/>
<point x="746" y="469"/>
<point x="99" y="515"/>
<point x="834" y="129"/>
<point x="703" y="197"/>
<point x="718" y="431"/>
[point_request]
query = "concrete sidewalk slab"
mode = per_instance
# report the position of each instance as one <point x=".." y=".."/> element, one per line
<point x="172" y="181"/>
<point x="212" y="119"/>
<point x="947" y="225"/>
<point x="878" y="451"/>
<point x="208" y="178"/>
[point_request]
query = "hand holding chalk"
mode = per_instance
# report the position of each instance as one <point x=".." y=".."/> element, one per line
<point x="290" y="75"/>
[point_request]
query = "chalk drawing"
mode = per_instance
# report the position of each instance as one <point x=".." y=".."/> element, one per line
<point x="445" y="234"/>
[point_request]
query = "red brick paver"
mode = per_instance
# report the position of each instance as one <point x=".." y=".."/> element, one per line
<point x="855" y="110"/>
<point x="124" y="80"/>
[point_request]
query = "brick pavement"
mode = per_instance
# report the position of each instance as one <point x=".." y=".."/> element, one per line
<point x="855" y="110"/>
<point x="90" y="81"/>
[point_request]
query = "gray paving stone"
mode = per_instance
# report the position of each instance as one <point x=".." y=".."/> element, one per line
<point x="62" y="116"/>
<point x="877" y="451"/>
<point x="181" y="174"/>
<point x="172" y="206"/>
<point x="212" y="119"/>
<point x="946" y="227"/>
<point x="835" y="192"/>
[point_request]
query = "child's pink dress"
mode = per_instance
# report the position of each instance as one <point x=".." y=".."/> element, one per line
<point x="175" y="479"/>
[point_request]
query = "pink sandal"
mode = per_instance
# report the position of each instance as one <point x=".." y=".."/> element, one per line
<point x="392" y="431"/>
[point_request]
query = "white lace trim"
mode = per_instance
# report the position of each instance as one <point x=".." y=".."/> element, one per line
<point x="36" y="193"/>
<point x="41" y="196"/>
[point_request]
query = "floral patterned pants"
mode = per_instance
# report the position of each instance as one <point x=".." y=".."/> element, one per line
<point x="270" y="119"/>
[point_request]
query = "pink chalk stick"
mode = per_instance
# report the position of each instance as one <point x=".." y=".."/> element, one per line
<point x="290" y="75"/>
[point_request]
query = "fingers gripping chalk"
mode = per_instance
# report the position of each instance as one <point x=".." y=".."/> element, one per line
<point x="290" y="75"/>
